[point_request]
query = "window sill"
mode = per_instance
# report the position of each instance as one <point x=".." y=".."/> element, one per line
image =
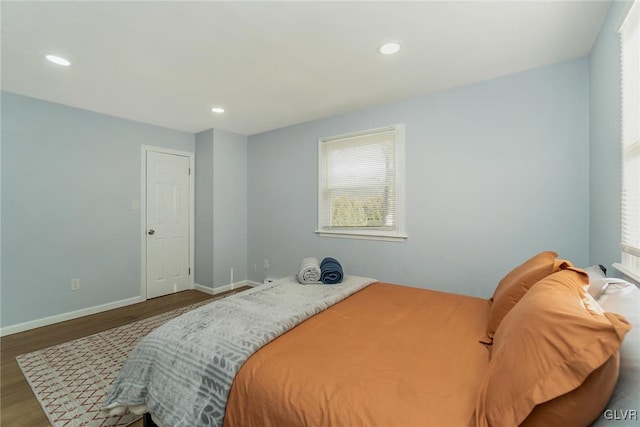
<point x="627" y="272"/>
<point x="362" y="236"/>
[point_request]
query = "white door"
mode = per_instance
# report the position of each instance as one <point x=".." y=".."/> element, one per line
<point x="167" y="220"/>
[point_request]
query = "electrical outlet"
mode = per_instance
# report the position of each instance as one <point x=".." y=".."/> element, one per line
<point x="75" y="284"/>
<point x="255" y="268"/>
<point x="266" y="264"/>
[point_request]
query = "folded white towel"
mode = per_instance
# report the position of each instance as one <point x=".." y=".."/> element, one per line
<point x="309" y="273"/>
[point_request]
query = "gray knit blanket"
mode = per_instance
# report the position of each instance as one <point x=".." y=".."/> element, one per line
<point x="182" y="372"/>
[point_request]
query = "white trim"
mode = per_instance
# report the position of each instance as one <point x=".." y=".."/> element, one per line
<point x="401" y="173"/>
<point x="398" y="234"/>
<point x="357" y="134"/>
<point x="359" y="235"/>
<point x="627" y="27"/>
<point x="213" y="211"/>
<point x="630" y="249"/>
<point x="45" y="321"/>
<point x="220" y="289"/>
<point x="143" y="222"/>
<point x="625" y="14"/>
<point x="624" y="270"/>
<point x="252" y="283"/>
<point x="143" y="213"/>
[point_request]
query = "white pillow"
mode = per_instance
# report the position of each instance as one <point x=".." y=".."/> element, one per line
<point x="596" y="276"/>
<point x="595" y="272"/>
<point x="624" y="298"/>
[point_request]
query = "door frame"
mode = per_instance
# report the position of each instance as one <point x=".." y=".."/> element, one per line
<point x="143" y="212"/>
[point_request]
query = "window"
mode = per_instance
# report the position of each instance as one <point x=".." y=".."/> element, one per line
<point x="630" y="208"/>
<point x="361" y="185"/>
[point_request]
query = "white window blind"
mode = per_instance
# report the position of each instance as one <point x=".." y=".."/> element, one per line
<point x="630" y="79"/>
<point x="361" y="182"/>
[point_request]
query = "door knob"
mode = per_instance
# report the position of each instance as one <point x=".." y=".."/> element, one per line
<point x="151" y="232"/>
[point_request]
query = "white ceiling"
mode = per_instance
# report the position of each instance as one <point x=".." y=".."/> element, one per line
<point x="273" y="64"/>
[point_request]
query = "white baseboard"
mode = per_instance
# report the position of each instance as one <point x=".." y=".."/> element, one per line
<point x="219" y="289"/>
<point x="45" y="321"/>
<point x="253" y="284"/>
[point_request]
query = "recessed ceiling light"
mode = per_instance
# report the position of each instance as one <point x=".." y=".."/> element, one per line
<point x="389" y="48"/>
<point x="218" y="110"/>
<point x="58" y="60"/>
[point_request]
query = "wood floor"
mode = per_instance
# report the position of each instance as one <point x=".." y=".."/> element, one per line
<point x="18" y="405"/>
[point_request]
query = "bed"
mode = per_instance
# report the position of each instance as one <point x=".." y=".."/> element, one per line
<point x="381" y="354"/>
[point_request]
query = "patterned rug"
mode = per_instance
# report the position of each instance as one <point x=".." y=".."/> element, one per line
<point x="71" y="380"/>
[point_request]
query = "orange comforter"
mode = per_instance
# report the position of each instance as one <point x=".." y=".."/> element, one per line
<point x="388" y="355"/>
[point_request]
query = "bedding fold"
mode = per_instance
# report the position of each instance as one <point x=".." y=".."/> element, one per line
<point x="331" y="271"/>
<point x="388" y="356"/>
<point x="183" y="370"/>
<point x="309" y="272"/>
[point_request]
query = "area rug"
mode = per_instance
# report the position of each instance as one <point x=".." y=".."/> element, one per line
<point x="71" y="380"/>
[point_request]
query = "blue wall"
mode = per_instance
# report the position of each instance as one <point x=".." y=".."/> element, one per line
<point x="69" y="177"/>
<point x="229" y="207"/>
<point x="605" y="149"/>
<point x="495" y="172"/>
<point x="204" y="209"/>
<point x="221" y="208"/>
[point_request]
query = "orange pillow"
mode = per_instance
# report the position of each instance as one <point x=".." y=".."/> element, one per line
<point x="546" y="346"/>
<point x="515" y="284"/>
<point x="579" y="407"/>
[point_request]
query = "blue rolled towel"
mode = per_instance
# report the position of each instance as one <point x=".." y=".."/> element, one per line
<point x="330" y="271"/>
